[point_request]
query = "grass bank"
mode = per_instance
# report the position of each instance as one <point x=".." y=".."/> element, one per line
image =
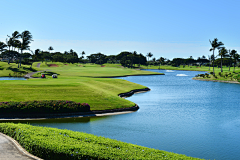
<point x="12" y="70"/>
<point x="225" y="76"/>
<point x="192" y="68"/>
<point x="229" y="77"/>
<point x="50" y="143"/>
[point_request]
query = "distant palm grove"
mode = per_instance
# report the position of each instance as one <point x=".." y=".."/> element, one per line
<point x="16" y="49"/>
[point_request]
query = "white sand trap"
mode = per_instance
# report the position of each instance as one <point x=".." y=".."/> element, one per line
<point x="169" y="71"/>
<point x="181" y="75"/>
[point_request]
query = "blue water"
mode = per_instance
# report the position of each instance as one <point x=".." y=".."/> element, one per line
<point x="12" y="78"/>
<point x="196" y="118"/>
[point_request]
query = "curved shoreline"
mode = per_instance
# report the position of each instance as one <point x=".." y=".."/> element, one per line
<point x="131" y="75"/>
<point x="234" y="82"/>
<point x="95" y="113"/>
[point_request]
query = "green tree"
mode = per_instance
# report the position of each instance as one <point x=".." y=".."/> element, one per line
<point x="149" y="55"/>
<point x="160" y="60"/>
<point x="2" y="46"/>
<point x="235" y="59"/>
<point x="50" y="49"/>
<point x="26" y="39"/>
<point x="215" y="44"/>
<point x="223" y="53"/>
<point x="83" y="53"/>
<point x="210" y="60"/>
<point x="231" y="55"/>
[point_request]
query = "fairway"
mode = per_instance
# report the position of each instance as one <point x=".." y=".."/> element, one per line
<point x="75" y="82"/>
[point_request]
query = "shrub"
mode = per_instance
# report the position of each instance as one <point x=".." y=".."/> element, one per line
<point x="58" y="144"/>
<point x="35" y="107"/>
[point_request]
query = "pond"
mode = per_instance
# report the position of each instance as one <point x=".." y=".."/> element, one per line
<point x="12" y="78"/>
<point x="196" y="118"/>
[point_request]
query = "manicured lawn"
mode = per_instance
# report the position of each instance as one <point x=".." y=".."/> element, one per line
<point x="75" y="83"/>
<point x="12" y="69"/>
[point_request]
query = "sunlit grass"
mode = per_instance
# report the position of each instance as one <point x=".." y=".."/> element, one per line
<point x="75" y="83"/>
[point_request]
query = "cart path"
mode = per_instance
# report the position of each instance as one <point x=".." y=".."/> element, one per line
<point x="29" y="75"/>
<point x="38" y="65"/>
<point x="11" y="150"/>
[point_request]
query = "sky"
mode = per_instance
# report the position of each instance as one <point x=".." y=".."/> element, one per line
<point x="166" y="28"/>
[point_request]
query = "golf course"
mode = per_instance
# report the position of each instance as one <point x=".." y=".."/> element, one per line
<point x="77" y="83"/>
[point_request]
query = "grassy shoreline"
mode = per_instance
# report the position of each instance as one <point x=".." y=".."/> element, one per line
<point x="220" y="76"/>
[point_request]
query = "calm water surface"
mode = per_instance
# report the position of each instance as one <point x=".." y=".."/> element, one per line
<point x="181" y="115"/>
<point x="12" y="78"/>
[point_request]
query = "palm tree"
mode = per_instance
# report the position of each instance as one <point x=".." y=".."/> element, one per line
<point x="215" y="44"/>
<point x="223" y="53"/>
<point x="236" y="58"/>
<point x="83" y="54"/>
<point x="14" y="39"/>
<point x="2" y="46"/>
<point x="149" y="55"/>
<point x="209" y="58"/>
<point x="232" y="55"/>
<point x="160" y="60"/>
<point x="26" y="39"/>
<point x="50" y="49"/>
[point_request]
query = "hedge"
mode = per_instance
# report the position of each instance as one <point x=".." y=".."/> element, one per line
<point x="40" y="107"/>
<point x="57" y="144"/>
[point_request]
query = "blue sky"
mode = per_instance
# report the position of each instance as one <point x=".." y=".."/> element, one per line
<point x="170" y="28"/>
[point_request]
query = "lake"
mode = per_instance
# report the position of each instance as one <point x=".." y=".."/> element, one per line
<point x="12" y="78"/>
<point x="196" y="118"/>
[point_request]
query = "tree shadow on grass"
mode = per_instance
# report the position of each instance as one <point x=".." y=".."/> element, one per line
<point x="47" y="73"/>
<point x="29" y="69"/>
<point x="23" y="70"/>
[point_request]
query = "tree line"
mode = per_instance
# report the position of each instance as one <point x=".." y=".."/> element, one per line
<point x="13" y="51"/>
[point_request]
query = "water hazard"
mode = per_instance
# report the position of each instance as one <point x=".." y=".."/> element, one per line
<point x="12" y="78"/>
<point x="181" y="115"/>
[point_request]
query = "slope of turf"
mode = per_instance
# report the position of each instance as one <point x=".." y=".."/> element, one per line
<point x="12" y="69"/>
<point x="75" y="83"/>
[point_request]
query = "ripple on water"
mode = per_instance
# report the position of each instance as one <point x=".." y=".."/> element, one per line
<point x="181" y="75"/>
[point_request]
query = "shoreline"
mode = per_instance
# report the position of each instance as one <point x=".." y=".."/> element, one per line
<point x="176" y="70"/>
<point x="234" y="82"/>
<point x="131" y="75"/>
<point x="96" y="113"/>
